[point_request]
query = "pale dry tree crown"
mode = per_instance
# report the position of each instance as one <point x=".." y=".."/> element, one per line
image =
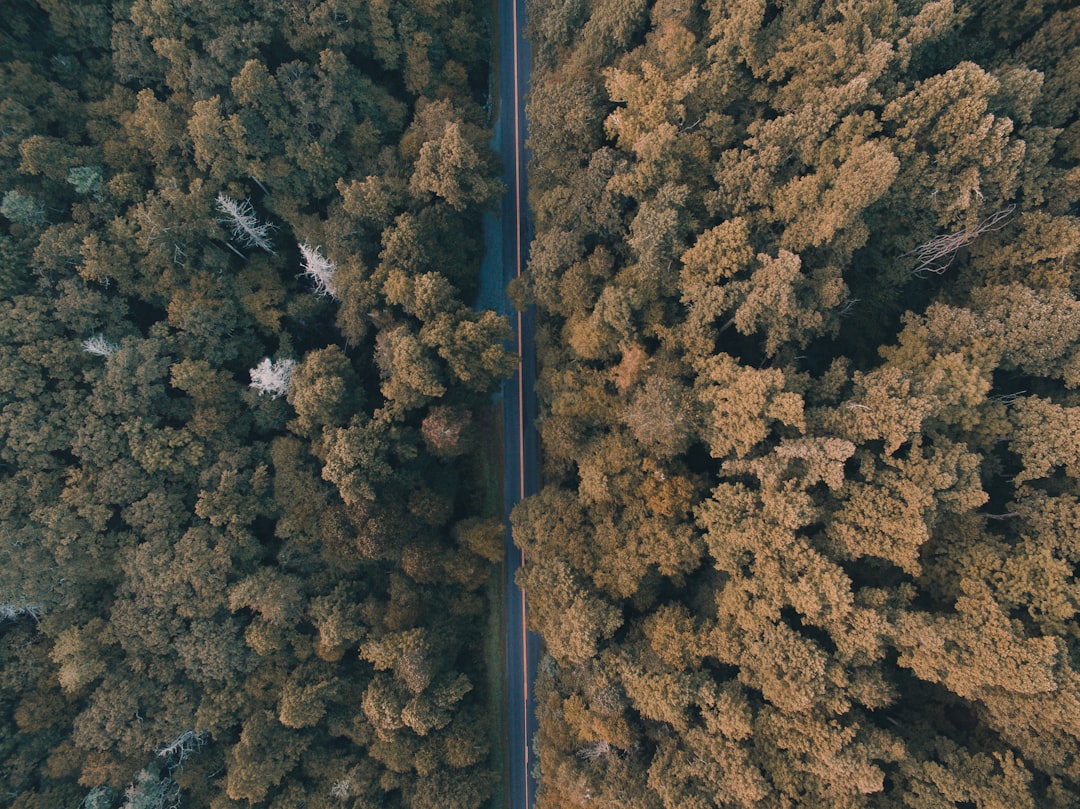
<point x="319" y="269"/>
<point x="241" y="221"/>
<point x="177" y="749"/>
<point x="272" y="377"/>
<point x="13" y="611"/>
<point x="99" y="345"/>
<point x="342" y="788"/>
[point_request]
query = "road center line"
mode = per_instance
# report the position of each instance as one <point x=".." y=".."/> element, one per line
<point x="521" y="394"/>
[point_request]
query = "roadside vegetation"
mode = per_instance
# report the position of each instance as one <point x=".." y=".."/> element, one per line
<point x="243" y="553"/>
<point x="806" y="275"/>
<point x="810" y="349"/>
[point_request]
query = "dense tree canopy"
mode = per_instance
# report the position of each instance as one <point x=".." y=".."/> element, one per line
<point x="238" y="374"/>
<point x="806" y="274"/>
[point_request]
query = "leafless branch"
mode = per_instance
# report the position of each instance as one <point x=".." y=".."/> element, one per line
<point x="848" y="307"/>
<point x="593" y="750"/>
<point x="181" y="747"/>
<point x="272" y="377"/>
<point x="319" y="269"/>
<point x="342" y="788"/>
<point x="245" y="227"/>
<point x="937" y="255"/>
<point x="99" y="345"/>
<point x="1008" y="398"/>
<point x="10" y="611"/>
<point x="1008" y="515"/>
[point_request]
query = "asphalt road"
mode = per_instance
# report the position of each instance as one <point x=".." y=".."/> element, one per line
<point x="514" y="230"/>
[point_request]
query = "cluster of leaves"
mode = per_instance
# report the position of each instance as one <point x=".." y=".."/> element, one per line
<point x="806" y="274"/>
<point x="231" y="515"/>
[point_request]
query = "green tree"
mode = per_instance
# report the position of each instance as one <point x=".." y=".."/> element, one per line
<point x="454" y="170"/>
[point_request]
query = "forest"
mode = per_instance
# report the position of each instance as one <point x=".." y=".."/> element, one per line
<point x="806" y="277"/>
<point x="806" y="273"/>
<point x="244" y="404"/>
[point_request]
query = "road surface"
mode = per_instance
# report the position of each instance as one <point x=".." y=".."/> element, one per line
<point x="507" y="236"/>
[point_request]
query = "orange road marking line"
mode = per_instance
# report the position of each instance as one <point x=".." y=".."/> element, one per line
<point x="521" y="394"/>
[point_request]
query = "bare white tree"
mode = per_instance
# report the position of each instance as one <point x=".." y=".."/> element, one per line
<point x="319" y="269"/>
<point x="100" y="345"/>
<point x="179" y="748"/>
<point x="342" y="788"/>
<point x="272" y="377"/>
<point x="11" y="611"/>
<point x="937" y="254"/>
<point x="241" y="221"/>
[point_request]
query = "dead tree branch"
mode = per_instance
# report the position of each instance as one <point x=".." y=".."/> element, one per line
<point x="938" y="254"/>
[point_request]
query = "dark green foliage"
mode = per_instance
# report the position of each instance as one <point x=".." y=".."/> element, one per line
<point x="264" y="582"/>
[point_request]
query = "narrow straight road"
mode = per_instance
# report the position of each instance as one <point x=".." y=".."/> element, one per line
<point x="514" y="230"/>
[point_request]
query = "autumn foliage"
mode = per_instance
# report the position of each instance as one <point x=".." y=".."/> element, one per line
<point x="806" y="277"/>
